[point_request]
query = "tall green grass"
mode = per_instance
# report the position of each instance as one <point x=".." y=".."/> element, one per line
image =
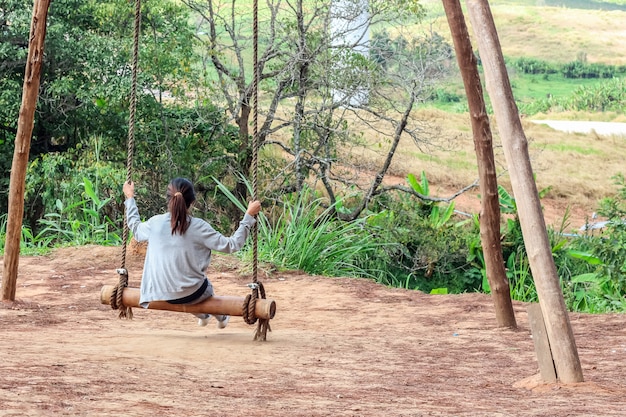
<point x="29" y="243"/>
<point x="306" y="236"/>
<point x="81" y="222"/>
<point x="73" y="223"/>
<point x="301" y="234"/>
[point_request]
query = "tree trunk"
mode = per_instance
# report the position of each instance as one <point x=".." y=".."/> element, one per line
<point x="490" y="204"/>
<point x="25" y="124"/>
<point x="536" y="240"/>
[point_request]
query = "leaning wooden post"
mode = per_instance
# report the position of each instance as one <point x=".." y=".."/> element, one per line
<point x="25" y="123"/>
<point x="483" y="143"/>
<point x="533" y="225"/>
<point x="541" y="342"/>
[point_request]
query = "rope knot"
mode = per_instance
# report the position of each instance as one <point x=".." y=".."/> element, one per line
<point x="249" y="311"/>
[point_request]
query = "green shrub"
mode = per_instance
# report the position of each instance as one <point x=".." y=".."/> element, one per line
<point x="80" y="223"/>
<point x="425" y="244"/>
<point x="532" y="66"/>
<point x="63" y="177"/>
<point x="301" y="234"/>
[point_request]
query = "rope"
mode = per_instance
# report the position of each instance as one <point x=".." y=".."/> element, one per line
<point x="249" y="304"/>
<point x="116" y="296"/>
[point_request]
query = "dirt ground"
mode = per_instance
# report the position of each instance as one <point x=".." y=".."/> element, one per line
<point x="339" y="347"/>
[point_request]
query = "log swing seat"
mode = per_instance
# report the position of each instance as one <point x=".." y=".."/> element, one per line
<point x="255" y="307"/>
<point x="218" y="304"/>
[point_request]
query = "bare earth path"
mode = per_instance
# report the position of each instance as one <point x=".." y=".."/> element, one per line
<point x="339" y="347"/>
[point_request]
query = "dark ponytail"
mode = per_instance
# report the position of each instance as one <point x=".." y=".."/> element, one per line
<point x="180" y="195"/>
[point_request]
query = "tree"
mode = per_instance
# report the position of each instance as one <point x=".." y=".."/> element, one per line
<point x="301" y="116"/>
<point x="84" y="94"/>
<point x="74" y="66"/>
<point x="37" y="36"/>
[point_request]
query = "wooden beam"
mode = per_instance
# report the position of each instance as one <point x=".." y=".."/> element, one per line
<point x="536" y="241"/>
<point x="541" y="342"/>
<point x="231" y="305"/>
<point x="25" y="123"/>
<point x="483" y="144"/>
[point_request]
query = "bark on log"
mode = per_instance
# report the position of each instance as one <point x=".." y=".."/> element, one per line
<point x="218" y="304"/>
<point x="25" y="123"/>
<point x="531" y="219"/>
<point x="489" y="203"/>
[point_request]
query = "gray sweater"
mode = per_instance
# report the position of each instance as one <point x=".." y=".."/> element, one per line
<point x="175" y="265"/>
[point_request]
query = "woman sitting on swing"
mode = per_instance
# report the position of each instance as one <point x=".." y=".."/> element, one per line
<point x="179" y="248"/>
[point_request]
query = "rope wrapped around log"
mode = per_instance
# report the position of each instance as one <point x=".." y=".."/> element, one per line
<point x="116" y="298"/>
<point x="249" y="308"/>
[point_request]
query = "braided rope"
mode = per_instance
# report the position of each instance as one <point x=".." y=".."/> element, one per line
<point x="249" y="304"/>
<point x="255" y="131"/>
<point x="116" y="296"/>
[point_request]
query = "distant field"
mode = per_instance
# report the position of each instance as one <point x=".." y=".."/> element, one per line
<point x="576" y="168"/>
<point x="534" y="28"/>
<point x="565" y="163"/>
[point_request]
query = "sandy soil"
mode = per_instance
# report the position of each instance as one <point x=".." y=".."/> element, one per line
<point x="339" y="347"/>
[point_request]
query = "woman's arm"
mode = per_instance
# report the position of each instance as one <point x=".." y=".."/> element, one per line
<point x="141" y="231"/>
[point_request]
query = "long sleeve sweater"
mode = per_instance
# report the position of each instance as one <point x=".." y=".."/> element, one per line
<point x="175" y="265"/>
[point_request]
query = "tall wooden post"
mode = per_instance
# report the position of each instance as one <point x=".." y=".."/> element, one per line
<point x="25" y="123"/>
<point x="490" y="204"/>
<point x="533" y="225"/>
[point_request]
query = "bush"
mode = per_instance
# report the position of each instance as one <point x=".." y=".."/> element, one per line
<point x="425" y="247"/>
<point x="59" y="179"/>
<point x="533" y="66"/>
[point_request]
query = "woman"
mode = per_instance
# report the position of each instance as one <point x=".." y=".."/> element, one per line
<point x="179" y="248"/>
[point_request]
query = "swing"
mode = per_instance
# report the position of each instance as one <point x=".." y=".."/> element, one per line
<point x="255" y="307"/>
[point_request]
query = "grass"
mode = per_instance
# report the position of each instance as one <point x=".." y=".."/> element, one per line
<point x="527" y="88"/>
<point x="565" y="163"/>
<point x="547" y="32"/>
<point x="567" y="148"/>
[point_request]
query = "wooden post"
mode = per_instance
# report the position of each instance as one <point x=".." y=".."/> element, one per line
<point x="530" y="215"/>
<point x="232" y="306"/>
<point x="541" y="342"/>
<point x="30" y="92"/>
<point x="489" y="203"/>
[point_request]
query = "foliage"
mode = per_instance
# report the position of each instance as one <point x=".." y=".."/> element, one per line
<point x="426" y="246"/>
<point x="306" y="237"/>
<point x="430" y="209"/>
<point x="86" y="77"/>
<point x="579" y="68"/>
<point x="62" y="182"/>
<point x="532" y="66"/>
<point x="195" y="142"/>
<point x="29" y="243"/>
<point x="609" y="95"/>
<point x="520" y="277"/>
<point x="303" y="235"/>
<point x="540" y="86"/>
<point x="80" y="223"/>
<point x="604" y="286"/>
<point x="591" y="268"/>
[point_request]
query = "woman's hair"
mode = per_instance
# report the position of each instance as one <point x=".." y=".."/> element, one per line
<point x="180" y="195"/>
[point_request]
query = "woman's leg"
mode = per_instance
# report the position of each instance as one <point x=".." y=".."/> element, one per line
<point x="222" y="320"/>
